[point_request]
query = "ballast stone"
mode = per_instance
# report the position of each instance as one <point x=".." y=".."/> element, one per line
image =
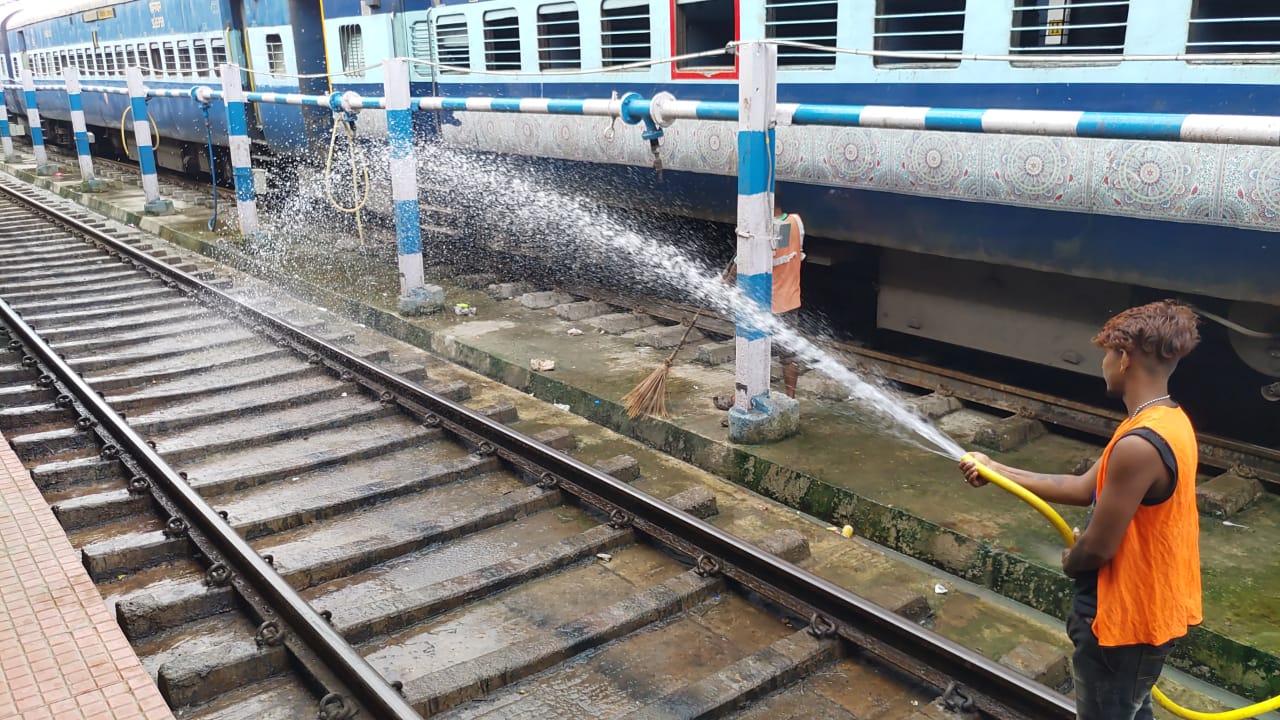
<point x="575" y="311"/>
<point x="545" y="299"/>
<point x="422" y="301"/>
<point x="618" y="323"/>
<point x="717" y="353"/>
<point x="1042" y="662"/>
<point x="667" y="337"/>
<point x="1227" y="494"/>
<point x="1009" y="433"/>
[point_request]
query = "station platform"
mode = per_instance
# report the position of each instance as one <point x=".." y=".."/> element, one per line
<point x="62" y="656"/>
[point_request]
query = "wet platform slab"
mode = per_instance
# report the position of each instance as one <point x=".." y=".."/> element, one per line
<point x="980" y="548"/>
<point x="61" y="652"/>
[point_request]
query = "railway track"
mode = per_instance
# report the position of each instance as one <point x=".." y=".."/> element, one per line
<point x="286" y="529"/>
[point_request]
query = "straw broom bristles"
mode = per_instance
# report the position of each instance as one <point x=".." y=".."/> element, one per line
<point x="650" y="396"/>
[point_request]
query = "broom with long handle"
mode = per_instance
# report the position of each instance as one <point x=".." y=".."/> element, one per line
<point x="650" y="396"/>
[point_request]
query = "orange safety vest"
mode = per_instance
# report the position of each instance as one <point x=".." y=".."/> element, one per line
<point x="788" y="252"/>
<point x="1150" y="591"/>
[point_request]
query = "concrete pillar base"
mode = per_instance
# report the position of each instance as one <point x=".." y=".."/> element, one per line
<point x="770" y="418"/>
<point x="94" y="185"/>
<point x="47" y="170"/>
<point x="423" y="300"/>
<point x="158" y="207"/>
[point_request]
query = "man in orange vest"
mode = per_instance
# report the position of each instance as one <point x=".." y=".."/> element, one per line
<point x="1136" y="566"/>
<point x="788" y="253"/>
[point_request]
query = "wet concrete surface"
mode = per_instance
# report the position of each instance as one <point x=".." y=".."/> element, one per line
<point x="964" y="612"/>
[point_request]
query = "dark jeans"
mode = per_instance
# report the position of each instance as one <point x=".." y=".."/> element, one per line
<point x="1113" y="683"/>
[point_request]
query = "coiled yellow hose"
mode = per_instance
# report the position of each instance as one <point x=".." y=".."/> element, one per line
<point x="1068" y="538"/>
<point x="124" y="141"/>
<point x="359" y="170"/>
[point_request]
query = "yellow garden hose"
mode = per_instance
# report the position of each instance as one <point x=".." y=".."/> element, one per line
<point x="124" y="141"/>
<point x="1068" y="538"/>
<point x="359" y="168"/>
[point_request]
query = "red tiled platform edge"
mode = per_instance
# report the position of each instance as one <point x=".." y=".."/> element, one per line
<point x="61" y="653"/>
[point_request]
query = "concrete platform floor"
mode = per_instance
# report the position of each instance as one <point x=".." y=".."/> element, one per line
<point x="841" y="467"/>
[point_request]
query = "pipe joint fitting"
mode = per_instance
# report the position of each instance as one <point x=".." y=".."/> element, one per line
<point x="629" y="111"/>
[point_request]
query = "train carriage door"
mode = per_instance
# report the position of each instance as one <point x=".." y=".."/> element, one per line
<point x="701" y="26"/>
<point x="307" y="18"/>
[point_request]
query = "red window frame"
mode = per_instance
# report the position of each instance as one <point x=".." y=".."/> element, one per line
<point x="677" y="74"/>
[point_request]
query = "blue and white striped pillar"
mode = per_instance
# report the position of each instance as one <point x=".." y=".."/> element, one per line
<point x="43" y="166"/>
<point x="6" y="139"/>
<point x="153" y="205"/>
<point x="756" y="416"/>
<point x="415" y="295"/>
<point x="88" y="182"/>
<point x="238" y="140"/>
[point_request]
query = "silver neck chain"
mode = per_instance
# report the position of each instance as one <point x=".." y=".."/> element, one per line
<point x="1145" y="405"/>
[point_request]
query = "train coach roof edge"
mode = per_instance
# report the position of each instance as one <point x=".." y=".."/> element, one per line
<point x="49" y="11"/>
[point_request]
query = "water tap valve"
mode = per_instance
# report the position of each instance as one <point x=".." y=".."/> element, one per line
<point x="653" y="134"/>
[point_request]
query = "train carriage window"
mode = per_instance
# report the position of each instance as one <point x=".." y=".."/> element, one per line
<point x="806" y="21"/>
<point x="501" y="40"/>
<point x="200" y="54"/>
<point x="1241" y="27"/>
<point x="218" y="49"/>
<point x="108" y="62"/>
<point x="452" y="47"/>
<point x="170" y="59"/>
<point x="703" y="25"/>
<point x="420" y="45"/>
<point x="65" y="58"/>
<point x="80" y="64"/>
<point x="100" y="62"/>
<point x="131" y="56"/>
<point x="184" y="58"/>
<point x="919" y="26"/>
<point x="1066" y="27"/>
<point x="351" y="44"/>
<point x="121" y="64"/>
<point x="559" y="41"/>
<point x="275" y="53"/>
<point x="624" y="31"/>
<point x="157" y="60"/>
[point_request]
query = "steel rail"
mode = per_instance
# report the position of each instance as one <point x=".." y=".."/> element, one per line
<point x="980" y="683"/>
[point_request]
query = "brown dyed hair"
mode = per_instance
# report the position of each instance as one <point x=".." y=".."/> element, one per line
<point x="1164" y="330"/>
